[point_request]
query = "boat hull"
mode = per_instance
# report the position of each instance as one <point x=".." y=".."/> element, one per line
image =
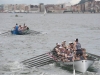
<point x="20" y="33"/>
<point x="81" y="65"/>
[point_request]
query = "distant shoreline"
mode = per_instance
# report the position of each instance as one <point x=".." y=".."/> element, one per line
<point x="57" y="13"/>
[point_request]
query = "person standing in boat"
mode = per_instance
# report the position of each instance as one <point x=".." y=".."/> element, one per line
<point x="16" y="29"/>
<point x="78" y="49"/>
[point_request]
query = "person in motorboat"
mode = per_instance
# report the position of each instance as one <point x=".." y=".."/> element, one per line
<point x="77" y="47"/>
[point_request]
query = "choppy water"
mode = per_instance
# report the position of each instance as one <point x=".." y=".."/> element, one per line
<point x="53" y="28"/>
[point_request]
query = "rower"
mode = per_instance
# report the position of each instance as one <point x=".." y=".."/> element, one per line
<point x="71" y="47"/>
<point x="64" y="44"/>
<point x="25" y="27"/>
<point x="56" y="50"/>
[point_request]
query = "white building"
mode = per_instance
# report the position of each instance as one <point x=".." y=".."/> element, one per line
<point x="10" y="8"/>
<point x="67" y="6"/>
<point x="22" y="7"/>
<point x="5" y="8"/>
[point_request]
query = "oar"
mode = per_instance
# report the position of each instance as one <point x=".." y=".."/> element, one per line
<point x="45" y="63"/>
<point x="36" y="57"/>
<point x="43" y="58"/>
<point x="94" y="55"/>
<point x="38" y="61"/>
<point x="40" y="64"/>
<point x="5" y="32"/>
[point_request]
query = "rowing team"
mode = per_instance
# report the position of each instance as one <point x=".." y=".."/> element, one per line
<point x="21" y="28"/>
<point x="70" y="52"/>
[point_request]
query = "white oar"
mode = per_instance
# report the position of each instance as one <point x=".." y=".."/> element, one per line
<point x="73" y="65"/>
<point x="73" y="71"/>
<point x="4" y="32"/>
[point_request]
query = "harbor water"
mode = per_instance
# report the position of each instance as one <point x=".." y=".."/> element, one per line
<point x="52" y="28"/>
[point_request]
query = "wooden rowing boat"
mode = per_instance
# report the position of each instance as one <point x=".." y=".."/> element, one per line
<point x="79" y="65"/>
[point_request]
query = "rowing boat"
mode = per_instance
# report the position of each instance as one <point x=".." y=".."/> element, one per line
<point x="20" y="32"/>
<point x="79" y="65"/>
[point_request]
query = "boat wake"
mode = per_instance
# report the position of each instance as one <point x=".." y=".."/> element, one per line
<point x="30" y="32"/>
<point x="16" y="68"/>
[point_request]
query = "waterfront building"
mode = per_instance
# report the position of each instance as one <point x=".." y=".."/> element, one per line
<point x="59" y="8"/>
<point x="83" y="7"/>
<point x="41" y="7"/>
<point x="16" y="8"/>
<point x="34" y="8"/>
<point x="98" y="6"/>
<point x="1" y="8"/>
<point x="86" y="6"/>
<point x="68" y="7"/>
<point x="22" y="8"/>
<point x="27" y="8"/>
<point x="49" y="8"/>
<point x="74" y="8"/>
<point x="10" y="8"/>
<point x="5" y="8"/>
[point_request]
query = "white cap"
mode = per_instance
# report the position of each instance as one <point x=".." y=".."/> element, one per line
<point x="60" y="47"/>
<point x="70" y="42"/>
<point x="68" y="49"/>
<point x="58" y="43"/>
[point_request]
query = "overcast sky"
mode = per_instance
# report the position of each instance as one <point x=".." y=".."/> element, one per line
<point x="37" y="1"/>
